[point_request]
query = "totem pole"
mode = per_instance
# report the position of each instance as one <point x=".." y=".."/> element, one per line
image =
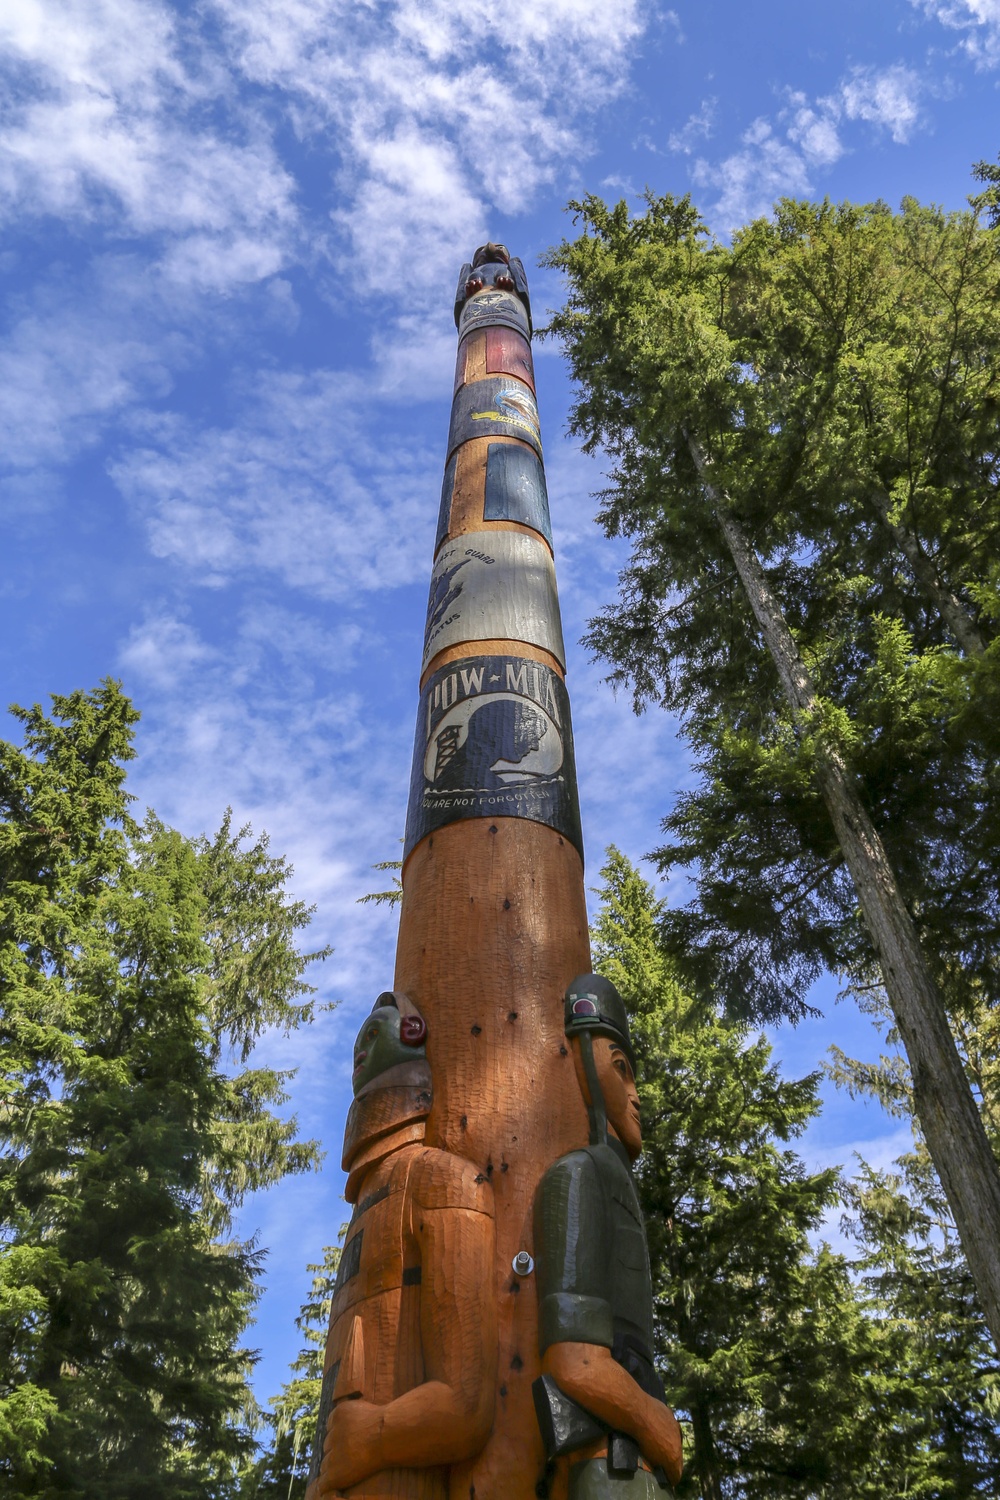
<point x="494" y="1122"/>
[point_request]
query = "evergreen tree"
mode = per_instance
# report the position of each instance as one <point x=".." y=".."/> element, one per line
<point x="282" y="1471"/>
<point x="804" y="432"/>
<point x="796" y="1372"/>
<point x="944" y="1384"/>
<point x="755" y="1333"/>
<point x="134" y="964"/>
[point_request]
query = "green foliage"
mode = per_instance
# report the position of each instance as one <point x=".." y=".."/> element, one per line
<point x="133" y="964"/>
<point x="740" y="1301"/>
<point x="988" y="201"/>
<point x="840" y="368"/>
<point x="391" y="897"/>
<point x="915" y="1277"/>
<point x="282" y="1471"/>
<point x="796" y="1372"/>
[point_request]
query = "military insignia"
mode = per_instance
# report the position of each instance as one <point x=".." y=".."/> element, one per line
<point x="494" y="739"/>
<point x="496" y="407"/>
<point x="493" y="586"/>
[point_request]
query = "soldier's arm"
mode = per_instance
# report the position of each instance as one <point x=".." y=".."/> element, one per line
<point x="572" y="1239"/>
<point x="448" y="1417"/>
<point x="588" y="1375"/>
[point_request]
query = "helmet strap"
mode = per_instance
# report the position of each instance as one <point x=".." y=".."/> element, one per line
<point x="596" y="1112"/>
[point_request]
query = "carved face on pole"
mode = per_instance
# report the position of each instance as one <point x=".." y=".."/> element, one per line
<point x="617" y="1083"/>
<point x="597" y="1024"/>
<point x="391" y="1078"/>
<point x="386" y="1039"/>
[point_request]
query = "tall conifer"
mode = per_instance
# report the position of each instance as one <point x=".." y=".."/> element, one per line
<point x="134" y="964"/>
<point x="804" y="432"/>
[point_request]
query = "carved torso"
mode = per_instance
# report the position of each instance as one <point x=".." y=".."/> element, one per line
<point x="405" y="1238"/>
<point x="594" y="1283"/>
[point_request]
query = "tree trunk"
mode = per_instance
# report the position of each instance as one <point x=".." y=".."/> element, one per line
<point x="704" y="1463"/>
<point x="952" y="611"/>
<point x="943" y="1100"/>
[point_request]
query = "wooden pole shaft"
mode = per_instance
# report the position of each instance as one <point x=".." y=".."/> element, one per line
<point x="493" y="926"/>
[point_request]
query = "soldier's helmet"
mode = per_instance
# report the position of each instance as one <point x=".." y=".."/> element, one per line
<point x="593" y="1004"/>
<point x="387" y="1038"/>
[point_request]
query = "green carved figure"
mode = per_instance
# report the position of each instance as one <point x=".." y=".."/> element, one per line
<point x="599" y="1400"/>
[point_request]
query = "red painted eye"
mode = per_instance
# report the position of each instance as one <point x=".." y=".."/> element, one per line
<point x="412" y="1030"/>
<point x="505" y="283"/>
<point x="473" y="285"/>
<point x="584" y="1007"/>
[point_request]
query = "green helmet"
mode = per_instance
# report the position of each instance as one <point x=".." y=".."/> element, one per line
<point x="387" y="1038"/>
<point x="593" y="1004"/>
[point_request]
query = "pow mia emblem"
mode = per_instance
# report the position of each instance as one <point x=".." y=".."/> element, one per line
<point x="494" y="739"/>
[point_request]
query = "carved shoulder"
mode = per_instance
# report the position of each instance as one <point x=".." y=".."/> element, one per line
<point x="440" y="1179"/>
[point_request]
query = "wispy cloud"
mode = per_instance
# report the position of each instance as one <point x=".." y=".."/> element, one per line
<point x="978" y="21"/>
<point x="887" y="97"/>
<point x="780" y="157"/>
<point x="436" y="122"/>
<point x="767" y="166"/>
<point x="152" y="136"/>
<point x="297" y="489"/>
<point x="80" y="348"/>
<point x="697" y="127"/>
<point x="113" y="116"/>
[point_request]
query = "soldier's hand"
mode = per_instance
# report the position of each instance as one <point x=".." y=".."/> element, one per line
<point x="350" y="1452"/>
<point x="661" y="1439"/>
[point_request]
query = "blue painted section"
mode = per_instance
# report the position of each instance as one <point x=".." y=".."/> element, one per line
<point x="515" y="488"/>
<point x="447" y="492"/>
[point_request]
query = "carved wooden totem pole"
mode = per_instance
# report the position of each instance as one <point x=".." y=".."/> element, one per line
<point x="491" y="1328"/>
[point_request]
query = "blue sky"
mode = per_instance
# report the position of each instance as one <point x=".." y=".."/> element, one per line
<point x="233" y="231"/>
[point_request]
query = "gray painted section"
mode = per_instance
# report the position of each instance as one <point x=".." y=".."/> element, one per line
<point x="515" y="488"/>
<point x="493" y="307"/>
<point x="493" y="585"/>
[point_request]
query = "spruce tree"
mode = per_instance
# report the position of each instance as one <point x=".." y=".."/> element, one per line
<point x="282" y="1470"/>
<point x="943" y="1380"/>
<point x="135" y="965"/>
<point x="797" y="1372"/>
<point x="803" y="427"/>
<point x="759" y="1338"/>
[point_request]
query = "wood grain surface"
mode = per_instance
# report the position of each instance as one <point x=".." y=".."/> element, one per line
<point x="493" y="927"/>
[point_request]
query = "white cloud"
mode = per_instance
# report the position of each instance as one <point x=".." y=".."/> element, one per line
<point x="114" y="115"/>
<point x="886" y="97"/>
<point x="778" y="158"/>
<point x="977" y="20"/>
<point x="82" y="350"/>
<point x="765" y="168"/>
<point x="813" y="128"/>
<point x="128" y="119"/>
<point x="697" y="126"/>
<point x="297" y="489"/>
<point x="673" y="19"/>
<point x="436" y="121"/>
<point x="163" y="649"/>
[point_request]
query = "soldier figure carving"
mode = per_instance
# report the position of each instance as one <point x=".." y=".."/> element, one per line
<point x="410" y="1371"/>
<point x="595" y="1295"/>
